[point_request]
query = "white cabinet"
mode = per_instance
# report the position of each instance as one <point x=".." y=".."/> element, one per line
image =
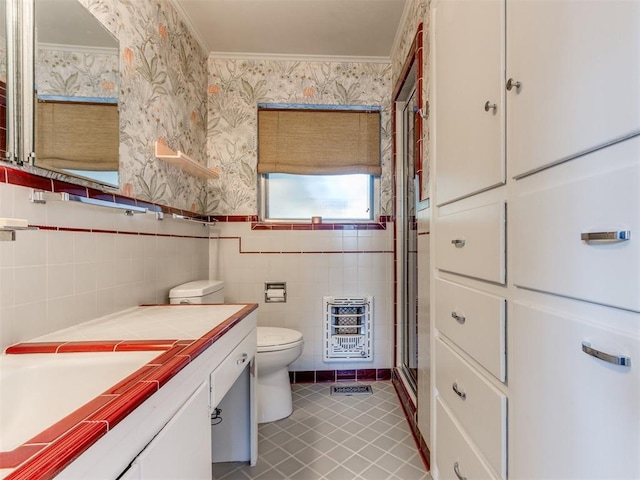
<point x="475" y="322"/>
<point x="556" y="211"/>
<point x="569" y="123"/>
<point x="466" y="393"/>
<point x="469" y="107"/>
<point x="471" y="242"/>
<point x="578" y="65"/>
<point x="456" y="457"/>
<point x="182" y="448"/>
<point x="572" y="415"/>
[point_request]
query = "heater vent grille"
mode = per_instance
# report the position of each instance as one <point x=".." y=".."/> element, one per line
<point x="347" y="328"/>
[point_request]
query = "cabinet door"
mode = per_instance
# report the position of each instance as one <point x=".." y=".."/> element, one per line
<point x="577" y="64"/>
<point x="469" y="46"/>
<point x="571" y="415"/>
<point x="182" y="449"/>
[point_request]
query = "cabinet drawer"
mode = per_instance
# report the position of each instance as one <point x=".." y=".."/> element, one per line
<point x="577" y="413"/>
<point x="472" y="242"/>
<point x="223" y="377"/>
<point x="550" y="255"/>
<point x="455" y="457"/>
<point x="475" y="322"/>
<point x="479" y="407"/>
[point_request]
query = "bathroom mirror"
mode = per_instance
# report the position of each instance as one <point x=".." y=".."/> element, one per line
<point x="76" y="122"/>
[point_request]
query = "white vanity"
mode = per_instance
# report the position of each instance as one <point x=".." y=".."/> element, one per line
<point x="158" y="423"/>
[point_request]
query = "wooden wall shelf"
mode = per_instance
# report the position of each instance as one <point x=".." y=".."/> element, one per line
<point x="182" y="161"/>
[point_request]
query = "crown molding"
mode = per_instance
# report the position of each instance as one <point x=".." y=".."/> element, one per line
<point x="295" y="57"/>
<point x="78" y="49"/>
<point x="401" y="25"/>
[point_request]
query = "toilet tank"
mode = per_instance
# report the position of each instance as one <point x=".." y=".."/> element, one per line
<point x="199" y="291"/>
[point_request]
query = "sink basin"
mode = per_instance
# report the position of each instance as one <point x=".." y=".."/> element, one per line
<point x="37" y="390"/>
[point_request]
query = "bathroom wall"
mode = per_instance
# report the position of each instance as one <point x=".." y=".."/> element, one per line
<point x="88" y="261"/>
<point x="314" y="263"/>
<point x="338" y="260"/>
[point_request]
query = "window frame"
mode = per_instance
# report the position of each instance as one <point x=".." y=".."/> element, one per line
<point x="262" y="205"/>
<point x="375" y="180"/>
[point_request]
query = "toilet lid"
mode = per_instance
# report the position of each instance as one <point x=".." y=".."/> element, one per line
<point x="276" y="336"/>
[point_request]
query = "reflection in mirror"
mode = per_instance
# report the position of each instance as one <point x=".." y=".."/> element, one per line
<point x="76" y="86"/>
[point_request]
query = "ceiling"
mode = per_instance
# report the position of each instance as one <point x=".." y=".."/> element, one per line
<point x="326" y="28"/>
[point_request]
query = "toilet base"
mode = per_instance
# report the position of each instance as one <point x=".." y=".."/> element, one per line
<point x="274" y="396"/>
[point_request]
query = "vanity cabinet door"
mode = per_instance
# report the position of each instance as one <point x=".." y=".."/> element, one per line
<point x="469" y="113"/>
<point x="577" y="66"/>
<point x="573" y="414"/>
<point x="182" y="449"/>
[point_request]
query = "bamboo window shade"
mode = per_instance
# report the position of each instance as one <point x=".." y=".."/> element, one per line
<point x="79" y="136"/>
<point x="318" y="142"/>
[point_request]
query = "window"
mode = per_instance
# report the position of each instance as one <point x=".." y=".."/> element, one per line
<point x="318" y="162"/>
<point x="332" y="197"/>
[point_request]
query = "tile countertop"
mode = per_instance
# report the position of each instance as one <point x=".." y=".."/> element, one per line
<point x="178" y="332"/>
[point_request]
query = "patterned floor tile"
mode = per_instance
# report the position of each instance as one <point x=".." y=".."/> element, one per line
<point x="363" y="437"/>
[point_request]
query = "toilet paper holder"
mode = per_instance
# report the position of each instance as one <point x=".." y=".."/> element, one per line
<point x="275" y="292"/>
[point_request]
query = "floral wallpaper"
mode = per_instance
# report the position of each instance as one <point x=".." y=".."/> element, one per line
<point x="162" y="93"/>
<point x="237" y="86"/>
<point x="76" y="74"/>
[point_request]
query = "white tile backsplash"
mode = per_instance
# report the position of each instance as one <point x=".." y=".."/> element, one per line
<point x="53" y="279"/>
<point x="309" y="276"/>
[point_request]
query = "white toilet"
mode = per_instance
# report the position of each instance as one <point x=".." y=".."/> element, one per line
<point x="199" y="291"/>
<point x="277" y="349"/>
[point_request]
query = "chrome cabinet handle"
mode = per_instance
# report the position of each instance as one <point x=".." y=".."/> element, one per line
<point x="459" y="318"/>
<point x="456" y="470"/>
<point x="613" y="236"/>
<point x="606" y="357"/>
<point x="511" y="83"/>
<point x="459" y="392"/>
<point x="458" y="242"/>
<point x="242" y="359"/>
<point x="490" y="106"/>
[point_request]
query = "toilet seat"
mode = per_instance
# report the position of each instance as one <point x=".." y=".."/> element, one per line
<point x="271" y="339"/>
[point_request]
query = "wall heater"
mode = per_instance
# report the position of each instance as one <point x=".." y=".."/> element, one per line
<point x="347" y="329"/>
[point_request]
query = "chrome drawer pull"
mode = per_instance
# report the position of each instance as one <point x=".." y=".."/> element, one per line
<point x="456" y="470"/>
<point x="614" y="236"/>
<point x="459" y="318"/>
<point x="460" y="393"/>
<point x="458" y="242"/>
<point x="606" y="357"/>
<point x="490" y="106"/>
<point x="242" y="359"/>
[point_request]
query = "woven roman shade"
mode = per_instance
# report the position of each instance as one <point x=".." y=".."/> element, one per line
<point x="318" y="142"/>
<point x="79" y="136"/>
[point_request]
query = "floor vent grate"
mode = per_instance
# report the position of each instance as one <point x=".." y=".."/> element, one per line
<point x="351" y="390"/>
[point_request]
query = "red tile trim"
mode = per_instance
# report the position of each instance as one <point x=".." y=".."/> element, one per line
<point x="26" y="179"/>
<point x="114" y="412"/>
<point x="60" y="186"/>
<point x="20" y="455"/>
<point x="53" y="458"/>
<point x="410" y="413"/>
<point x="145" y="345"/>
<point x="36" y="347"/>
<point x="70" y="421"/>
<point x="345" y="375"/>
<point x="322" y="376"/>
<point x="88" y="346"/>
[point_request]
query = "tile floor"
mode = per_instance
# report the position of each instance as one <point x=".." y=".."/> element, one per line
<point x="363" y="437"/>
